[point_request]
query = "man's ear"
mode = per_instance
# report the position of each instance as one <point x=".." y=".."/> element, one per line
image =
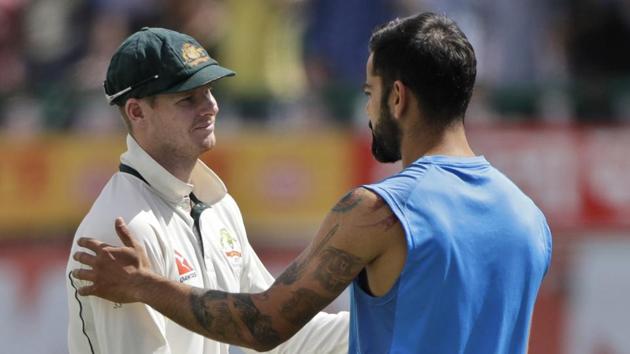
<point x="399" y="97"/>
<point x="135" y="110"/>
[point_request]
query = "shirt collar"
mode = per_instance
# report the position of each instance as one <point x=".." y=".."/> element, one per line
<point x="205" y="184"/>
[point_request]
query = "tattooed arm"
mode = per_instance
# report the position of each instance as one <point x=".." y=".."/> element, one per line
<point x="354" y="234"/>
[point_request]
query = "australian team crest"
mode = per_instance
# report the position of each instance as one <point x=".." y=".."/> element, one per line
<point x="231" y="247"/>
<point x="230" y="244"/>
<point x="194" y="55"/>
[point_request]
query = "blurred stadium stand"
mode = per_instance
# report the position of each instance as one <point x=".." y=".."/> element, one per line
<point x="551" y="110"/>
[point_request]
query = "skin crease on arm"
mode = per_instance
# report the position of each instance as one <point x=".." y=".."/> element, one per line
<point x="356" y="234"/>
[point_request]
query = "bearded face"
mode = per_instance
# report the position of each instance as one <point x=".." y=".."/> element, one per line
<point x="386" y="135"/>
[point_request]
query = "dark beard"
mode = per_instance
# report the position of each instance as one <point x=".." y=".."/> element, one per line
<point x="386" y="137"/>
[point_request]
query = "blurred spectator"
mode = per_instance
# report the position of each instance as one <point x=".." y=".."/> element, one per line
<point x="523" y="60"/>
<point x="12" y="66"/>
<point x="205" y="20"/>
<point x="51" y="37"/>
<point x="519" y="58"/>
<point x="52" y="43"/>
<point x="300" y="63"/>
<point x="261" y="45"/>
<point x="335" y="49"/>
<point x="93" y="115"/>
<point x="23" y="116"/>
<point x="138" y="13"/>
<point x="598" y="49"/>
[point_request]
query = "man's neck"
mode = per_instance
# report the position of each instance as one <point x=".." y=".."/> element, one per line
<point x="178" y="164"/>
<point x="451" y="141"/>
<point x="179" y="167"/>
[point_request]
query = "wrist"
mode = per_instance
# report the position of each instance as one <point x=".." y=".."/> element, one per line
<point x="145" y="284"/>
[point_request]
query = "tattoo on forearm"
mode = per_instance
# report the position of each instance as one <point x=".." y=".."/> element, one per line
<point x="336" y="269"/>
<point x="259" y="325"/>
<point x="348" y="202"/>
<point x="302" y="306"/>
<point x="213" y="313"/>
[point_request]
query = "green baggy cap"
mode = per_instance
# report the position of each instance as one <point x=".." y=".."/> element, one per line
<point x="157" y="60"/>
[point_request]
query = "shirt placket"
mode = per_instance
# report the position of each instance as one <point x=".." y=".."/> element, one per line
<point x="201" y="249"/>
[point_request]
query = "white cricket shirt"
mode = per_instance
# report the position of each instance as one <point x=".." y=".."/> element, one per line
<point x="158" y="213"/>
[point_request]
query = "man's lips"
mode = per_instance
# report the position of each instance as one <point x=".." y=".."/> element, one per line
<point x="209" y="125"/>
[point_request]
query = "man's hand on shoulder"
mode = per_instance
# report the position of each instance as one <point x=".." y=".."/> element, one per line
<point x="357" y="231"/>
<point x="118" y="273"/>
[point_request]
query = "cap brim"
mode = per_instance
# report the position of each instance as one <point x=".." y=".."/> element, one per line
<point x="202" y="77"/>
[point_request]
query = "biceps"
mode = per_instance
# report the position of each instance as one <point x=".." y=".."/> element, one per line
<point x="313" y="281"/>
<point x="334" y="269"/>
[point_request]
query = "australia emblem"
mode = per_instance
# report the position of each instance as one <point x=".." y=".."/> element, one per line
<point x="230" y="244"/>
<point x="194" y="55"/>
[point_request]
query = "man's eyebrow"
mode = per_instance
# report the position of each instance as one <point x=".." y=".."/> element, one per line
<point x="366" y="86"/>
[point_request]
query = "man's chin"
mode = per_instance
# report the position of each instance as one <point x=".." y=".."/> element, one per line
<point x="388" y="159"/>
<point x="208" y="143"/>
<point x="385" y="156"/>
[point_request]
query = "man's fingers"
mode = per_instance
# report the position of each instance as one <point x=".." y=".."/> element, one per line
<point x="84" y="258"/>
<point x="123" y="232"/>
<point x="92" y="244"/>
<point x="86" y="290"/>
<point x="83" y="274"/>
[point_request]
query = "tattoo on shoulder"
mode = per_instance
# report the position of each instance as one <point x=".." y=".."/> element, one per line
<point x="348" y="202"/>
<point x="337" y="268"/>
<point x="302" y="306"/>
<point x="387" y="222"/>
<point x="378" y="204"/>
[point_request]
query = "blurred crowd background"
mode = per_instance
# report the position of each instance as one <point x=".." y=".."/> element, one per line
<point x="551" y="109"/>
<point x="300" y="62"/>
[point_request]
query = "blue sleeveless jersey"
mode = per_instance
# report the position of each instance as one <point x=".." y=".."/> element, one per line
<point x="477" y="251"/>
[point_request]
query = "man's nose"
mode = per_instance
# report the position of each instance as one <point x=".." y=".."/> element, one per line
<point x="210" y="105"/>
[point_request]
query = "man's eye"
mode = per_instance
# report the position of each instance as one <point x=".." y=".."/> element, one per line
<point x="186" y="99"/>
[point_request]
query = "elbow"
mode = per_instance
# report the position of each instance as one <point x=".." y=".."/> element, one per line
<point x="268" y="342"/>
<point x="265" y="347"/>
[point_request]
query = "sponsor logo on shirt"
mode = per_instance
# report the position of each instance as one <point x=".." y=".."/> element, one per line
<point x="184" y="268"/>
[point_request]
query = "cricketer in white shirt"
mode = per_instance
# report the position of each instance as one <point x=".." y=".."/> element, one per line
<point x="158" y="209"/>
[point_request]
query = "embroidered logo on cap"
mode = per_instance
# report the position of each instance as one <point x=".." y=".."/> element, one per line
<point x="194" y="55"/>
<point x="184" y="268"/>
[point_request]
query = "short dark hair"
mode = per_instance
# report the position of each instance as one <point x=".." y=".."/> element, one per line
<point x="433" y="57"/>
